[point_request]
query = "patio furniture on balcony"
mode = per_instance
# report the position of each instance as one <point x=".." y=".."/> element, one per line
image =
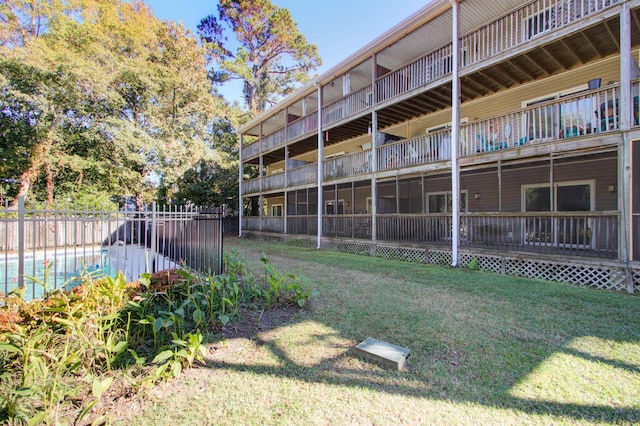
<point x="487" y="145"/>
<point x="608" y="114"/>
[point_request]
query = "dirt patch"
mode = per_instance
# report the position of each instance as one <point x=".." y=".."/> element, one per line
<point x="252" y="322"/>
<point x="124" y="404"/>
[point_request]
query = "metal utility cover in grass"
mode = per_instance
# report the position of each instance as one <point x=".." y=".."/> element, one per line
<point x="383" y="353"/>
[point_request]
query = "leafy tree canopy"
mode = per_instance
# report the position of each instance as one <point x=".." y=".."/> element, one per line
<point x="272" y="57"/>
<point x="98" y="93"/>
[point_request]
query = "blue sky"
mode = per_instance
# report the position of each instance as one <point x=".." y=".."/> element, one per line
<point x="337" y="27"/>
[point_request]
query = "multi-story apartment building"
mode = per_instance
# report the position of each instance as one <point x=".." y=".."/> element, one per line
<point x="504" y="131"/>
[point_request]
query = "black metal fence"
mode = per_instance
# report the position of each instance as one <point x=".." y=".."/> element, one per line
<point x="62" y="243"/>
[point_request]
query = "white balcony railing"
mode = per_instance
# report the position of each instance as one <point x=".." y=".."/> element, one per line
<point x="418" y="73"/>
<point x="589" y="112"/>
<point x="524" y="24"/>
<point x="501" y="35"/>
<point x="347" y="106"/>
<point x="353" y="164"/>
<point x="433" y="147"/>
<point x="302" y="126"/>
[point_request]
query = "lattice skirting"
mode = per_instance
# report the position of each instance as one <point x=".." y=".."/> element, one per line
<point x="585" y="274"/>
<point x="635" y="276"/>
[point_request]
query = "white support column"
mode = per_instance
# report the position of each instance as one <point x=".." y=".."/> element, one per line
<point x="320" y="167"/>
<point x="240" y="173"/>
<point x="286" y="186"/>
<point x="625" y="107"/>
<point x="624" y="154"/>
<point x="374" y="169"/>
<point x="260" y="199"/>
<point x="455" y="132"/>
<point x="374" y="149"/>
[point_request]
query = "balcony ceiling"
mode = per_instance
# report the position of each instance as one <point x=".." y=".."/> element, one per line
<point x="555" y="56"/>
<point x="562" y="54"/>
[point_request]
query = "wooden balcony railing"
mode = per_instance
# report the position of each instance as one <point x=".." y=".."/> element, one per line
<point x="275" y="139"/>
<point x="302" y="225"/>
<point x="347" y="226"/>
<point x="251" y="150"/>
<point x="589" y="112"/>
<point x="251" y="223"/>
<point x="264" y="223"/>
<point x="588" y="234"/>
<point x="275" y="181"/>
<point x="250" y="186"/>
<point x="418" y="73"/>
<point x="353" y="164"/>
<point x="302" y="126"/>
<point x="305" y="174"/>
<point x="414" y="228"/>
<point x="433" y="147"/>
<point x="273" y="224"/>
<point x="347" y="106"/>
<point x="503" y="34"/>
<point x="593" y="234"/>
<point x="525" y="24"/>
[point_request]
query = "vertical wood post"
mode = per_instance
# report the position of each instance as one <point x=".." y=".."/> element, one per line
<point x="455" y="134"/>
<point x="320" y="168"/>
<point x="624" y="152"/>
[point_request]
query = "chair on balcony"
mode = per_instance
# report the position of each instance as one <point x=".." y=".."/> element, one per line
<point x="609" y="114"/>
<point x="487" y="145"/>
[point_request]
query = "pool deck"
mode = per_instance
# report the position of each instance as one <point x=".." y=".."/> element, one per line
<point x="134" y="260"/>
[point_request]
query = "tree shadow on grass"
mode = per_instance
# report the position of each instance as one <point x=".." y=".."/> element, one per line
<point x="334" y="371"/>
<point x="494" y="341"/>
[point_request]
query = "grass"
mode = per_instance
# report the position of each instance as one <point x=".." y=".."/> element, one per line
<point x="485" y="349"/>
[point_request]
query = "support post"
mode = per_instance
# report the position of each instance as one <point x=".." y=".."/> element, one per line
<point x="286" y="185"/>
<point x="374" y="170"/>
<point x="261" y="198"/>
<point x="320" y="168"/>
<point x="625" y="226"/>
<point x="455" y="132"/>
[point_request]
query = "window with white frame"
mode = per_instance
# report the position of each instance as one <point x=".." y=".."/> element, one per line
<point x="441" y="202"/>
<point x="276" y="210"/>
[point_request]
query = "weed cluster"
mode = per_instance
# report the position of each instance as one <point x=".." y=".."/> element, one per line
<point x="59" y="355"/>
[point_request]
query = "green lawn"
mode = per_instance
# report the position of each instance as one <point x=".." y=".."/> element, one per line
<point x="485" y="349"/>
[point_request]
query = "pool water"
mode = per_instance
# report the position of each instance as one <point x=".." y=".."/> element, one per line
<point x="65" y="270"/>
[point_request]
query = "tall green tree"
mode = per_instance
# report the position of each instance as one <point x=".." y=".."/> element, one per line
<point x="101" y="94"/>
<point x="214" y="180"/>
<point x="272" y="57"/>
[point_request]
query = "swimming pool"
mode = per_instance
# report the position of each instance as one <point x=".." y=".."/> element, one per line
<point x="68" y="266"/>
<point x="65" y="268"/>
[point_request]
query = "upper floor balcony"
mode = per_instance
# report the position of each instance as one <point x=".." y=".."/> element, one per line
<point x="525" y="43"/>
<point x="582" y="118"/>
